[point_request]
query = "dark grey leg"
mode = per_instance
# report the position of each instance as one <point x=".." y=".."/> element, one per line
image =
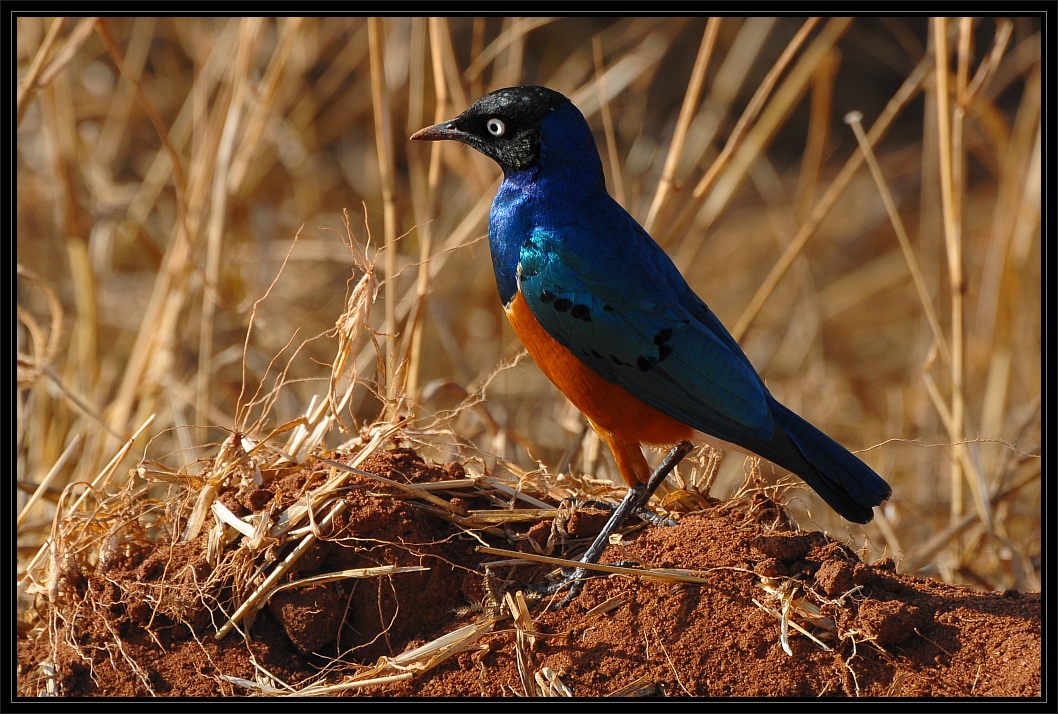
<point x="635" y="501"/>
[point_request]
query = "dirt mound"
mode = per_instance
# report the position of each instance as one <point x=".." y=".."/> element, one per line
<point x="396" y="568"/>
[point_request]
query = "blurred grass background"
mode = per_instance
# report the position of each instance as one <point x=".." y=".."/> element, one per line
<point x="165" y="166"/>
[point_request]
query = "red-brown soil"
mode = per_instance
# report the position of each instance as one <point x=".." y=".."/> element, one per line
<point x="144" y="622"/>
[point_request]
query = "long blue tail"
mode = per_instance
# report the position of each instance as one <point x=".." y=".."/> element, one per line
<point x="842" y="480"/>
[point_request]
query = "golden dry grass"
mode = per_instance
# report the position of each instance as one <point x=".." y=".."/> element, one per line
<point x="180" y="179"/>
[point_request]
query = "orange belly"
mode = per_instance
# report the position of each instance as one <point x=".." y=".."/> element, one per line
<point x="622" y="420"/>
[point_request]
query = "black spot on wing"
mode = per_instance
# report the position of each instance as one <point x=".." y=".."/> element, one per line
<point x="581" y="312"/>
<point x="547" y="297"/>
<point x="562" y="304"/>
<point x="663" y="339"/>
<point x="646" y="363"/>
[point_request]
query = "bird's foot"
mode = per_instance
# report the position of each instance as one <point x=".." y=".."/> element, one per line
<point x="655" y="519"/>
<point x="573" y="578"/>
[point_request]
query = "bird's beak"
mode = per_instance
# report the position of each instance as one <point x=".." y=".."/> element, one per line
<point x="439" y="132"/>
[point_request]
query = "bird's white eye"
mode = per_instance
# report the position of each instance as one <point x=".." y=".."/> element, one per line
<point x="495" y="126"/>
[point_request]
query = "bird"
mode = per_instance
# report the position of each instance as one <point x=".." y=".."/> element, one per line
<point x="612" y="322"/>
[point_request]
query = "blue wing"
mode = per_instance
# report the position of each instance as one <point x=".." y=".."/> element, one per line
<point x="628" y="314"/>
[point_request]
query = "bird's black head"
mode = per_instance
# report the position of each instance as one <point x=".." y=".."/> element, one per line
<point x="504" y="125"/>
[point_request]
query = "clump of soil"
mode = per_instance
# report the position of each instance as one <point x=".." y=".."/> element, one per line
<point x="143" y="620"/>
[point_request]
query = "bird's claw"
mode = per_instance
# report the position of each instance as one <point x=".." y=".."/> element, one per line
<point x="655" y="519"/>
<point x="573" y="578"/>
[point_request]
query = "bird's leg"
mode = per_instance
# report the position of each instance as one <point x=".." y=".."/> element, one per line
<point x="634" y="502"/>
